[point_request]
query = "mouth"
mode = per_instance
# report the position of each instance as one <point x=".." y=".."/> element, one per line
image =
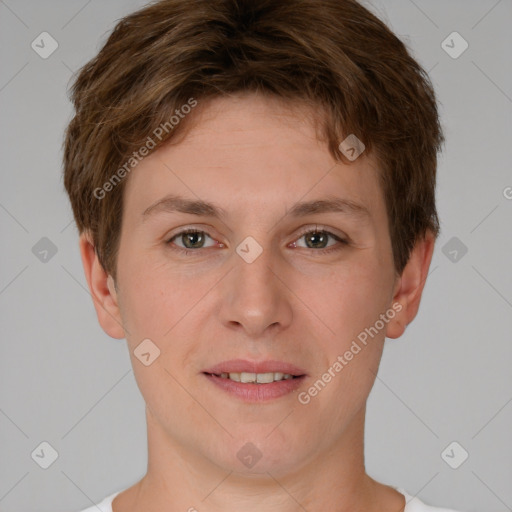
<point x="256" y="378"/>
<point x="256" y="382"/>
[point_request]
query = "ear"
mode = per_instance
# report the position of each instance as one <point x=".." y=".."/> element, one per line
<point x="409" y="286"/>
<point x="102" y="289"/>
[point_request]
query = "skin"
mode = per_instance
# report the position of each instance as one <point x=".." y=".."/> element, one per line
<point x="255" y="157"/>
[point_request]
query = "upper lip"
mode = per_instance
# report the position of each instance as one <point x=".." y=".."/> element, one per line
<point x="243" y="365"/>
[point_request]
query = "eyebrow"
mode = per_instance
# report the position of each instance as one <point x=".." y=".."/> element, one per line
<point x="175" y="203"/>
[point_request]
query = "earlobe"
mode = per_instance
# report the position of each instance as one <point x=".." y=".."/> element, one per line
<point x="410" y="285"/>
<point x="102" y="289"/>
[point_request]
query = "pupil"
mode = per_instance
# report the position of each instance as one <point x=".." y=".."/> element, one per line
<point x="318" y="236"/>
<point x="189" y="236"/>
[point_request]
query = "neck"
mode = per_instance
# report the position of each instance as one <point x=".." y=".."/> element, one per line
<point x="178" y="478"/>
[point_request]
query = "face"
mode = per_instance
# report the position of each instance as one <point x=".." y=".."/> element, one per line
<point x="260" y="280"/>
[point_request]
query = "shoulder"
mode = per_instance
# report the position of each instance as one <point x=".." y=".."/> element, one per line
<point x="414" y="504"/>
<point x="105" y="505"/>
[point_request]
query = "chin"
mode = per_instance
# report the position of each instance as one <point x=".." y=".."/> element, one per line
<point x="259" y="451"/>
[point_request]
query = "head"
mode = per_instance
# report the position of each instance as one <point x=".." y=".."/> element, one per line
<point x="242" y="108"/>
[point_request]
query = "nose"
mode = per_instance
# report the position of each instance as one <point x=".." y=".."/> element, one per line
<point x="255" y="297"/>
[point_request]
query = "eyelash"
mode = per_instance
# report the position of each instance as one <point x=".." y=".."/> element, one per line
<point x="186" y="252"/>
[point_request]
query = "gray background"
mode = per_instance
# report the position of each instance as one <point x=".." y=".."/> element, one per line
<point x="447" y="379"/>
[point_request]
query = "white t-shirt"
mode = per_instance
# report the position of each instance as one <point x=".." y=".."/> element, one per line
<point x="413" y="504"/>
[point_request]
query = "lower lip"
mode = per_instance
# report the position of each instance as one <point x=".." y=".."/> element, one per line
<point x="256" y="392"/>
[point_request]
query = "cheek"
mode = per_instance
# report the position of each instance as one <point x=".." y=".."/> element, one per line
<point x="160" y="301"/>
<point x="151" y="301"/>
<point x="348" y="300"/>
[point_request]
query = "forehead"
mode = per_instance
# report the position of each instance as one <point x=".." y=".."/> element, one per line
<point x="252" y="151"/>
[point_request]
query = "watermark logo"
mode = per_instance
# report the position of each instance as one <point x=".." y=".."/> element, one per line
<point x="454" y="249"/>
<point x="249" y="455"/>
<point x="44" y="455"/>
<point x="44" y="45"/>
<point x="249" y="249"/>
<point x="454" y="45"/>
<point x="352" y="147"/>
<point x="146" y="352"/>
<point x="454" y="455"/>
<point x="44" y="250"/>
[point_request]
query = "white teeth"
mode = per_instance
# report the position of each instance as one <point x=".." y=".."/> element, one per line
<point x="256" y="378"/>
<point x="264" y="378"/>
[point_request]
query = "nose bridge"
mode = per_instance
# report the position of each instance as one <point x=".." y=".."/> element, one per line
<point x="254" y="298"/>
<point x="254" y="277"/>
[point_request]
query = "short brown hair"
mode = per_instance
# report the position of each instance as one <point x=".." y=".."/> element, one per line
<point x="334" y="54"/>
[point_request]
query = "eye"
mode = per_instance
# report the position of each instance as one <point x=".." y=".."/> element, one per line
<point x="318" y="238"/>
<point x="191" y="239"/>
